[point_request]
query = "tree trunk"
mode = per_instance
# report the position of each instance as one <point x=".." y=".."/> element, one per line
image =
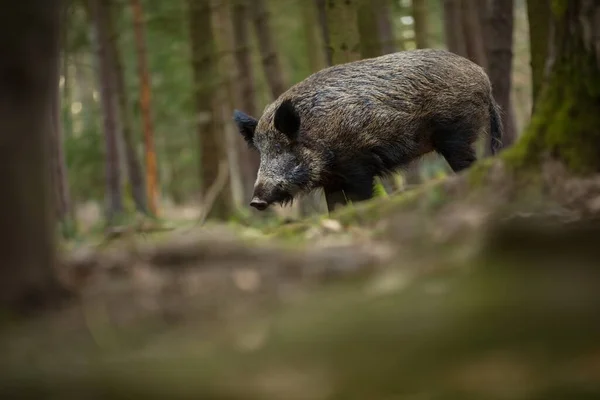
<point x="134" y="168"/>
<point x="473" y="31"/>
<point x="314" y="41"/>
<point x="539" y="15"/>
<point x="28" y="67"/>
<point x="344" y="39"/>
<point x="59" y="167"/>
<point x="455" y="41"/>
<point x="324" y="28"/>
<point x="385" y="27"/>
<point x="370" y="42"/>
<point x="270" y="58"/>
<point x="421" y="25"/>
<point x="247" y="91"/>
<point x="566" y="120"/>
<point x="500" y="59"/>
<point x="106" y="77"/>
<point x="205" y="88"/>
<point x="145" y="105"/>
<point x="237" y="152"/>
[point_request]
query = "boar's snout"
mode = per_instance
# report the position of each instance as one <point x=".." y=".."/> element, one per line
<point x="259" y="204"/>
<point x="267" y="193"/>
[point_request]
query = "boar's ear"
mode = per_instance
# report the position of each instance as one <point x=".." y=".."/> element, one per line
<point x="286" y="119"/>
<point x="246" y="125"/>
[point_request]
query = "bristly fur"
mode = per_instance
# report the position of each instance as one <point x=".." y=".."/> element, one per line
<point x="344" y="125"/>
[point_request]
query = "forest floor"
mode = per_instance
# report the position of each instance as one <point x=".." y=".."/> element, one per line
<point x="434" y="293"/>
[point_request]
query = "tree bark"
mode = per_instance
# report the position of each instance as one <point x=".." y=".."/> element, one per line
<point x="421" y="24"/>
<point x="324" y="28"/>
<point x="386" y="28"/>
<point x="370" y="41"/>
<point x="106" y="77"/>
<point x="59" y="167"/>
<point x="240" y="15"/>
<point x="566" y="120"/>
<point x="455" y="41"/>
<point x="344" y="39"/>
<point x="134" y="167"/>
<point x="29" y="44"/>
<point x="314" y="41"/>
<point x="473" y="31"/>
<point x="538" y="12"/>
<point x="212" y="144"/>
<point x="145" y="105"/>
<point x="500" y="60"/>
<point x="270" y="58"/>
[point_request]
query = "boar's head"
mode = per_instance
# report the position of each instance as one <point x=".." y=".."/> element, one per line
<point x="285" y="159"/>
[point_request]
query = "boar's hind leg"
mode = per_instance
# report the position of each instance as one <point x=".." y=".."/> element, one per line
<point x="456" y="146"/>
<point x="355" y="192"/>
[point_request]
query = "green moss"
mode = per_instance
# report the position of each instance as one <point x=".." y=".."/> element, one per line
<point x="479" y="171"/>
<point x="566" y="123"/>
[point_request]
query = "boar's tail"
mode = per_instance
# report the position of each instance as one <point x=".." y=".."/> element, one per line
<point x="496" y="128"/>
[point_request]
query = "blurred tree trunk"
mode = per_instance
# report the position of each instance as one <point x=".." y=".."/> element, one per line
<point x="210" y="137"/>
<point x="237" y="152"/>
<point x="29" y="67"/>
<point x="455" y="40"/>
<point x="322" y="18"/>
<point x="134" y="168"/>
<point x="245" y="82"/>
<point x="145" y="105"/>
<point x="473" y="30"/>
<point x="270" y="58"/>
<point x="314" y="41"/>
<point x="342" y="30"/>
<point x="500" y="59"/>
<point x="60" y="177"/>
<point x="538" y="12"/>
<point x="107" y="81"/>
<point x="368" y="29"/>
<point x="385" y="27"/>
<point x="420" y="11"/>
<point x="566" y="122"/>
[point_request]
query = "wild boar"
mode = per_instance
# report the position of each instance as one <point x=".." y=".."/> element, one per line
<point x="343" y="126"/>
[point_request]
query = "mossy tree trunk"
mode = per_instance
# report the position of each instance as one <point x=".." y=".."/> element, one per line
<point x="212" y="143"/>
<point x="567" y="122"/>
<point x="29" y="44"/>
<point x="539" y="16"/>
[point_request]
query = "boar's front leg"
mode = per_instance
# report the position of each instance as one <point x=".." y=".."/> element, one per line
<point x="352" y="192"/>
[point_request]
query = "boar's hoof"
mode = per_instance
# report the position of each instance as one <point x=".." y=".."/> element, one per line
<point x="259" y="204"/>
